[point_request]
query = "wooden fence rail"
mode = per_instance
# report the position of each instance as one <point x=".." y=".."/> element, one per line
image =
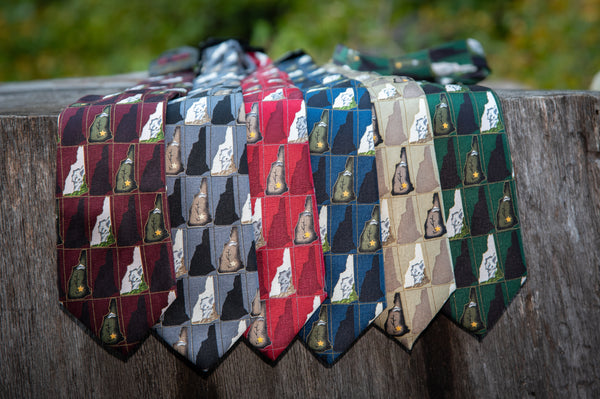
<point x="546" y="344"/>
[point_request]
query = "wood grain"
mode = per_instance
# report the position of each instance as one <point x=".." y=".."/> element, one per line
<point x="546" y="344"/>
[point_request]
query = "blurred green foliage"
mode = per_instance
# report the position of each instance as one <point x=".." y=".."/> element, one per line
<point x="541" y="43"/>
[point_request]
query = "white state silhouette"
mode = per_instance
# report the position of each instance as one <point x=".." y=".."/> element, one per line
<point x="242" y="326"/>
<point x="389" y="91"/>
<point x="385" y="221"/>
<point x="153" y="127"/>
<point x="298" y="128"/>
<point x="197" y="113"/>
<point x="247" y="211"/>
<point x="367" y="142"/>
<point x="344" y="100"/>
<point x="257" y="220"/>
<point x="282" y="281"/>
<point x="131" y="99"/>
<point x="345" y="285"/>
<point x="416" y="269"/>
<point x="205" y="304"/>
<point x="178" y="250"/>
<point x="223" y="161"/>
<point x="134" y="276"/>
<point x="323" y="223"/>
<point x="76" y="176"/>
<point x="490" y="117"/>
<point x="102" y="228"/>
<point x="456" y="216"/>
<point x="489" y="261"/>
<point x="420" y="125"/>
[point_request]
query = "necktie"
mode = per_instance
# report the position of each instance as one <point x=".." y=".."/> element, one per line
<point x="288" y="249"/>
<point x="209" y="203"/>
<point x="418" y="268"/>
<point x="345" y="177"/>
<point x="459" y="61"/>
<point x="480" y="203"/>
<point x="115" y="262"/>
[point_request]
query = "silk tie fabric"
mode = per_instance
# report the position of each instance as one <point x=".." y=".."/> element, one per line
<point x="459" y="61"/>
<point x="345" y="177"/>
<point x="288" y="248"/>
<point x="209" y="205"/>
<point x="418" y="268"/>
<point x="115" y="261"/>
<point x="480" y="203"/>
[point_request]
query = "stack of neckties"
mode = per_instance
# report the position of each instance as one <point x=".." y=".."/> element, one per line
<point x="475" y="169"/>
<point x="239" y="208"/>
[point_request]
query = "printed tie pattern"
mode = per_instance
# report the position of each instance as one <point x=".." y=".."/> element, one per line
<point x="418" y="267"/>
<point x="115" y="262"/>
<point x="480" y="203"/>
<point x="345" y="177"/>
<point x="209" y="205"/>
<point x="288" y="247"/>
<point x="459" y="61"/>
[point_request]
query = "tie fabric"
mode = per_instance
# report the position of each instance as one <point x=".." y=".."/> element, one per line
<point x="479" y="196"/>
<point x="418" y="268"/>
<point x="288" y="247"/>
<point x="342" y="157"/>
<point x="209" y="205"/>
<point x="114" y="254"/>
<point x="460" y="61"/>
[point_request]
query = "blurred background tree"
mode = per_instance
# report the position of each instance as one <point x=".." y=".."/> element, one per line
<point x="540" y="43"/>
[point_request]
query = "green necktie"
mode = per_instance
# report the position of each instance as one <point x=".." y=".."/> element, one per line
<point x="459" y="61"/>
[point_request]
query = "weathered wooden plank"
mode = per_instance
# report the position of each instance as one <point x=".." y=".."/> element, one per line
<point x="49" y="97"/>
<point x="544" y="346"/>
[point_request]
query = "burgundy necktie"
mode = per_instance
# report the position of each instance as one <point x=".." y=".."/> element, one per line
<point x="115" y="261"/>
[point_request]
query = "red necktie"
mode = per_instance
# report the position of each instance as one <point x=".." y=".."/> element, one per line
<point x="288" y="248"/>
